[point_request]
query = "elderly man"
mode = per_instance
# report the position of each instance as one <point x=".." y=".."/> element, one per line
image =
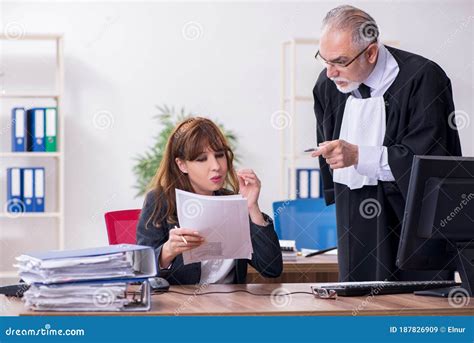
<point x="376" y="107"/>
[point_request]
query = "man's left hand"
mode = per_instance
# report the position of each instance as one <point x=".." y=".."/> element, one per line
<point x="338" y="153"/>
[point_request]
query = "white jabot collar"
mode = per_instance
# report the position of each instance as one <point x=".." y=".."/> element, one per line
<point x="385" y="71"/>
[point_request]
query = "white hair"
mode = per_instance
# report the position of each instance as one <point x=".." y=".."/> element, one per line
<point x="363" y="27"/>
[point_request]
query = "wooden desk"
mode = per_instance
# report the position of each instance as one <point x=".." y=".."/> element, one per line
<point x="320" y="268"/>
<point x="237" y="304"/>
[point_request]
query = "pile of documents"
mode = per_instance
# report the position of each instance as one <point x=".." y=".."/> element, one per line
<point x="77" y="297"/>
<point x="111" y="278"/>
<point x="223" y="221"/>
<point x="54" y="270"/>
<point x="288" y="250"/>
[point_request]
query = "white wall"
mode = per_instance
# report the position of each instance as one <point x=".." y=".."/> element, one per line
<point x="127" y="57"/>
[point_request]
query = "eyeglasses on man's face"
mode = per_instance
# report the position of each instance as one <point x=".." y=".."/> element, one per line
<point x="340" y="64"/>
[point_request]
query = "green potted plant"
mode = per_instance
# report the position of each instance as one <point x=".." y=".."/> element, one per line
<point x="148" y="162"/>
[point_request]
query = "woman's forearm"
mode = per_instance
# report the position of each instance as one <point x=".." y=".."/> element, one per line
<point x="256" y="216"/>
<point x="166" y="257"/>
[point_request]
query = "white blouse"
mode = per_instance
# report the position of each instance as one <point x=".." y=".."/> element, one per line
<point x="217" y="271"/>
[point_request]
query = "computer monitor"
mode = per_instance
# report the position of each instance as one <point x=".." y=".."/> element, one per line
<point x="438" y="225"/>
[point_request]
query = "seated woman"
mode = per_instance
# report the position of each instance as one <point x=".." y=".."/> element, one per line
<point x="198" y="159"/>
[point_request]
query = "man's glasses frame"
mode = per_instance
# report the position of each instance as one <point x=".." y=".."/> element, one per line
<point x="342" y="65"/>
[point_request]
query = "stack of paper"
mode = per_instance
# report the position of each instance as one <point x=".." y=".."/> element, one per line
<point x="96" y="279"/>
<point x="77" y="297"/>
<point x="223" y="221"/>
<point x="32" y="269"/>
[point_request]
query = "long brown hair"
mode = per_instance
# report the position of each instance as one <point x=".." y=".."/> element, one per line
<point x="187" y="141"/>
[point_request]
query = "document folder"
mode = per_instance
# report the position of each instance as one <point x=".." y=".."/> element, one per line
<point x="35" y="129"/>
<point x="38" y="192"/>
<point x="18" y="129"/>
<point x="122" y="261"/>
<point x="28" y="188"/>
<point x="14" y="191"/>
<point x="50" y="129"/>
<point x="93" y="296"/>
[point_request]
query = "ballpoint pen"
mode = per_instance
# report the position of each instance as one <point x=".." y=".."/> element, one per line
<point x="182" y="237"/>
<point x="311" y="149"/>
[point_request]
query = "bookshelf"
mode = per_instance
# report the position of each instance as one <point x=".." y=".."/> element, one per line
<point x="57" y="214"/>
<point x="289" y="98"/>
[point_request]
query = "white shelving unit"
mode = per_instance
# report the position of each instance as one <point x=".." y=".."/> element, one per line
<point x="288" y="104"/>
<point x="58" y="157"/>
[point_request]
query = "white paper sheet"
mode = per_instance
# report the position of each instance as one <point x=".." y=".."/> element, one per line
<point x="222" y="220"/>
<point x="72" y="269"/>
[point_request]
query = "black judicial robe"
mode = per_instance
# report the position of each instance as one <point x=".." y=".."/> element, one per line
<point x="418" y="104"/>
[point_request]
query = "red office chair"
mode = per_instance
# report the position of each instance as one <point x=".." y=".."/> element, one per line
<point x="122" y="226"/>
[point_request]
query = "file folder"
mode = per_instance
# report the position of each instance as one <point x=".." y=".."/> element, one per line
<point x="50" y="129"/>
<point x="32" y="266"/>
<point x="308" y="183"/>
<point x="35" y="129"/>
<point x="18" y="129"/>
<point x="92" y="296"/>
<point x="14" y="192"/>
<point x="303" y="184"/>
<point x="28" y="189"/>
<point x="315" y="183"/>
<point x="38" y="189"/>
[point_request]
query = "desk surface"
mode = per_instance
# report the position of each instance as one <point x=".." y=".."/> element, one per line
<point x="171" y="304"/>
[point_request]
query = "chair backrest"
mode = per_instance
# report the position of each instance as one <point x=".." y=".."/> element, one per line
<point x="122" y="226"/>
<point x="309" y="222"/>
